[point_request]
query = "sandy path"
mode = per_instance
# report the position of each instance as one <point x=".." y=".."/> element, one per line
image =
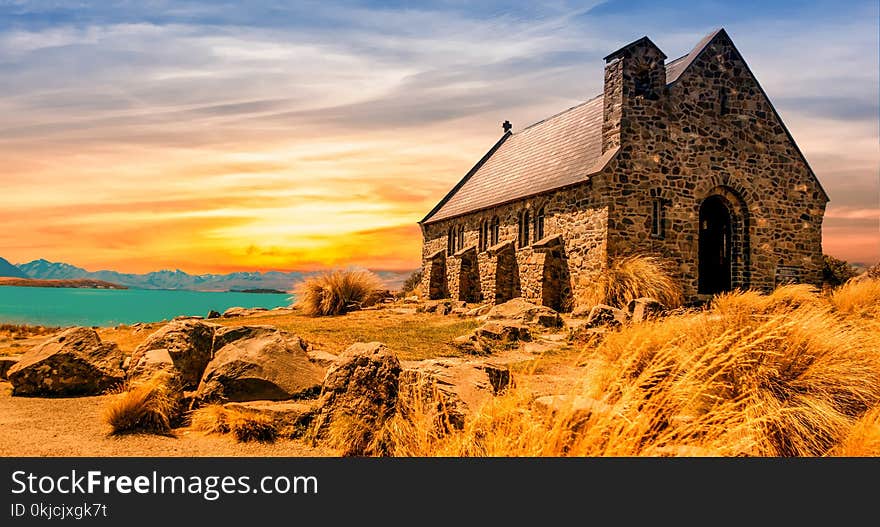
<point x="36" y="426"/>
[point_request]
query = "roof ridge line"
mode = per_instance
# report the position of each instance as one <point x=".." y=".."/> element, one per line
<point x="555" y="115"/>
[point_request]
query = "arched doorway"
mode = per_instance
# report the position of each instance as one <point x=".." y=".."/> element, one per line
<point x="715" y="246"/>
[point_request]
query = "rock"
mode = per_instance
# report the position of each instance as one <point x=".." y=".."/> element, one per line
<point x="460" y="311"/>
<point x="479" y="311"/>
<point x="359" y="394"/>
<point x="602" y="315"/>
<point x="213" y="314"/>
<point x="74" y="362"/>
<point x="322" y="358"/>
<point x="236" y="312"/>
<point x="584" y="334"/>
<point x="126" y="362"/>
<point x="579" y="407"/>
<point x="189" y="344"/>
<point x="467" y="344"/>
<point x="493" y="336"/>
<point x="150" y="363"/>
<point x="411" y="300"/>
<point x="7" y="362"/>
<point x="526" y="312"/>
<point x="443" y="309"/>
<point x="188" y="317"/>
<point x="259" y="362"/>
<point x="642" y="309"/>
<point x="457" y="386"/>
<point x="581" y="312"/>
<point x="291" y="418"/>
<point x="503" y="332"/>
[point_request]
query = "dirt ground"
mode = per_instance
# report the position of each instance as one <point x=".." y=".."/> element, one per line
<point x="56" y="427"/>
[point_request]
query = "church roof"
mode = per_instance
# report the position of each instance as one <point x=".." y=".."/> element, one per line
<point x="556" y="152"/>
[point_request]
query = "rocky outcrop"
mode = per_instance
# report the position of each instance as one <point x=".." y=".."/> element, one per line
<point x="602" y="315"/>
<point x="453" y="388"/>
<point x="359" y="394"/>
<point x="7" y="362"/>
<point x="187" y="343"/>
<point x="441" y="307"/>
<point x="259" y="363"/>
<point x="213" y="314"/>
<point x="641" y="309"/>
<point x="73" y="362"/>
<point x="494" y="336"/>
<point x="526" y="313"/>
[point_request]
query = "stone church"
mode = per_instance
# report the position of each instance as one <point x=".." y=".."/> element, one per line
<point x="685" y="159"/>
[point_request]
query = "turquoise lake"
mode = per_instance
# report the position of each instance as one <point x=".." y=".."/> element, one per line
<point x="108" y="307"/>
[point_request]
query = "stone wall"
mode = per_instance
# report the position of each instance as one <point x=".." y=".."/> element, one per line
<point x="578" y="214"/>
<point x="683" y="147"/>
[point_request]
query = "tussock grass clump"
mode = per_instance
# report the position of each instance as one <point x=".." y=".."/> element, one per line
<point x="336" y="292"/>
<point x="858" y="297"/>
<point x="633" y="277"/>
<point x="244" y="426"/>
<point x="149" y="407"/>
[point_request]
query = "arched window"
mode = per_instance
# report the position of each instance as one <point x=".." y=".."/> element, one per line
<point x="460" y="245"/>
<point x="524" y="220"/>
<point x="484" y="235"/>
<point x="539" y="225"/>
<point x="450" y="241"/>
<point x="723" y="103"/>
<point x="493" y="231"/>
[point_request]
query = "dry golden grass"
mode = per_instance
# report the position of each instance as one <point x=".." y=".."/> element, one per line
<point x="149" y="407"/>
<point x="410" y="336"/>
<point x="864" y="437"/>
<point x="23" y="331"/>
<point x="336" y="292"/>
<point x="784" y="374"/>
<point x="858" y="297"/>
<point x="243" y="426"/>
<point x="633" y="277"/>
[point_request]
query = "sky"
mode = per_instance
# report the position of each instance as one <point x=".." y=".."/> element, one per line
<point x="217" y="137"/>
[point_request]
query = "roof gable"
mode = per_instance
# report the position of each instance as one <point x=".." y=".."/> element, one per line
<point x="680" y="66"/>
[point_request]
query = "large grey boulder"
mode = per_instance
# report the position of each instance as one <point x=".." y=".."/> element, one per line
<point x="187" y="343"/>
<point x="453" y="388"/>
<point x="73" y="362"/>
<point x="526" y="312"/>
<point x="259" y="363"/>
<point x="359" y="394"/>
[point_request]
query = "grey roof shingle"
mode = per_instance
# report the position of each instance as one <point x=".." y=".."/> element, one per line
<point x="559" y="151"/>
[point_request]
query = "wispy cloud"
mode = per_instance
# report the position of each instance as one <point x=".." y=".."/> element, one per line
<point x="266" y="135"/>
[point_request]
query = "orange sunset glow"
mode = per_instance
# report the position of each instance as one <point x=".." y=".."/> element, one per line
<point x="138" y="143"/>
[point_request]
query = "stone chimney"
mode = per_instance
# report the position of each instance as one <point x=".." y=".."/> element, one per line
<point x="635" y="78"/>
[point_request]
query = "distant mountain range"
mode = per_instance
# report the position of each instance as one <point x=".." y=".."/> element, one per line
<point x="7" y="269"/>
<point x="177" y="279"/>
